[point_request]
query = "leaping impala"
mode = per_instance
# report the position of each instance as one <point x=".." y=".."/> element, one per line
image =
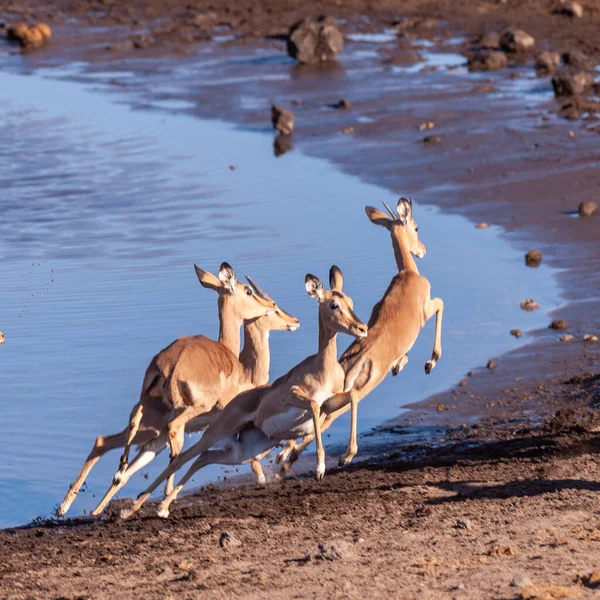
<point x="255" y="421"/>
<point x="178" y="372"/>
<point x="394" y="326"/>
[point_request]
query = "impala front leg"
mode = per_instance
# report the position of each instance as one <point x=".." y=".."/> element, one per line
<point x="352" y="443"/>
<point x="435" y="306"/>
<point x="398" y="365"/>
<point x="300" y="399"/>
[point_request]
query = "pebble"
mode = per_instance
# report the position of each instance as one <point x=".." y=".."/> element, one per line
<point x="521" y="581"/>
<point x="482" y="225"/>
<point x="463" y="524"/>
<point x="2" y="338"/>
<point x="547" y="62"/>
<point x="227" y="541"/>
<point x="426" y="125"/>
<point x="529" y="304"/>
<point x="587" y="209"/>
<point x="589" y="337"/>
<point x="533" y="258"/>
<point x="571" y="9"/>
<point x="559" y="324"/>
<point x="343" y="104"/>
<point x="516" y="333"/>
<point x="348" y="130"/>
<point x="336" y="550"/>
<point x="516" y="40"/>
<point x="491" y="364"/>
<point x="566" y="338"/>
<point x="432" y="139"/>
<point x="463" y="383"/>
<point x="282" y="119"/>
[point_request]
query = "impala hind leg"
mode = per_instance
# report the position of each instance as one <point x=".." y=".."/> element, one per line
<point x="435" y="306"/>
<point x="134" y="425"/>
<point x="145" y="456"/>
<point x="102" y="445"/>
<point x="285" y="452"/>
<point x="399" y="365"/>
<point x="352" y="443"/>
<point x="251" y="445"/>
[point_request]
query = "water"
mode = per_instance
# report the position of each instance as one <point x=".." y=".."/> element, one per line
<point x="105" y="209"/>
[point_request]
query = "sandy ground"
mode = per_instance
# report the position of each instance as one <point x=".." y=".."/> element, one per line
<point x="506" y="503"/>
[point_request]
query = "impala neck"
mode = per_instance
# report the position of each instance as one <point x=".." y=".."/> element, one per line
<point x="255" y="356"/>
<point x="229" y="327"/>
<point x="404" y="259"/>
<point x="327" y="353"/>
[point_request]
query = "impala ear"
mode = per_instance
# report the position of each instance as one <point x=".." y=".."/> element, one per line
<point x="227" y="277"/>
<point x="206" y="279"/>
<point x="404" y="210"/>
<point x="314" y="287"/>
<point x="336" y="279"/>
<point x="378" y="217"/>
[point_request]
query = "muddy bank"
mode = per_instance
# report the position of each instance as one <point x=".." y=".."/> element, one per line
<point x="508" y="515"/>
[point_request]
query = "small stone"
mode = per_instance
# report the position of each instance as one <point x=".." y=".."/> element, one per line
<point x="342" y="104"/>
<point x="571" y="134"/>
<point x="348" y="130"/>
<point x="463" y="383"/>
<point x="533" y="258"/>
<point x="489" y="40"/>
<point x="483" y="59"/>
<point x="570" y="9"/>
<point x="463" y="524"/>
<point x="2" y="338"/>
<point x="529" y="304"/>
<point x="566" y="338"/>
<point x="141" y="42"/>
<point x="521" y="581"/>
<point x="282" y="119"/>
<point x="426" y="126"/>
<point x="516" y="40"/>
<point x="296" y="102"/>
<point x="558" y="324"/>
<point x="576" y="58"/>
<point x="336" y="550"/>
<point x="547" y="62"/>
<point x="571" y="81"/>
<point x="502" y="550"/>
<point x="482" y="225"/>
<point x="594" y="579"/>
<point x="491" y="364"/>
<point x="227" y="541"/>
<point x="516" y="333"/>
<point x="233" y="167"/>
<point x="313" y="42"/>
<point x="432" y="139"/>
<point x="590" y="337"/>
<point x="587" y="208"/>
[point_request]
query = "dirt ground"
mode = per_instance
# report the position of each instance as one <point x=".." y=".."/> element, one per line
<point x="506" y="503"/>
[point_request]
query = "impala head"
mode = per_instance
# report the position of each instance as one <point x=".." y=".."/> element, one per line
<point x="336" y="310"/>
<point x="278" y="320"/>
<point x="400" y="224"/>
<point x="238" y="297"/>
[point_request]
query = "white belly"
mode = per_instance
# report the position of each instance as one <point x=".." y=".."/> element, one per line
<point x="292" y="424"/>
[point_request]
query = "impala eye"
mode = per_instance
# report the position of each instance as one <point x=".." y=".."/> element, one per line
<point x="334" y="306"/>
<point x="248" y="292"/>
<point x="416" y="228"/>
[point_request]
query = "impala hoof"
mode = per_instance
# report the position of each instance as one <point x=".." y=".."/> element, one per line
<point x="282" y="456"/>
<point x="429" y="366"/>
<point x="320" y="472"/>
<point x="163" y="513"/>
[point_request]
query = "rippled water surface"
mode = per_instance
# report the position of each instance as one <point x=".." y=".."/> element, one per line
<point x="104" y="211"/>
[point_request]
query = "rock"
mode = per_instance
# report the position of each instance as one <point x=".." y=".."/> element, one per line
<point x="502" y="550"/>
<point x="547" y="62"/>
<point x="571" y="81"/>
<point x="570" y="9"/>
<point x="432" y="139"/>
<point x="521" y="581"/>
<point x="483" y="59"/>
<point x="463" y="524"/>
<point x="336" y="550"/>
<point x="463" y="383"/>
<point x="533" y="258"/>
<point x="482" y="225"/>
<point x="588" y="337"/>
<point x="558" y="324"/>
<point x="313" y="42"/>
<point x="529" y="304"/>
<point x="489" y="40"/>
<point x="491" y="364"/>
<point x="342" y="104"/>
<point x="566" y="338"/>
<point x="348" y="130"/>
<point x="141" y="42"/>
<point x="227" y="541"/>
<point x="29" y="37"/>
<point x="587" y="208"/>
<point x="593" y="580"/>
<point x="2" y="338"/>
<point x="282" y="119"/>
<point x="516" y="40"/>
<point x="283" y="144"/>
<point x="548" y="591"/>
<point x="426" y="126"/>
<point x="516" y="333"/>
<point x="14" y="33"/>
<point x="575" y="58"/>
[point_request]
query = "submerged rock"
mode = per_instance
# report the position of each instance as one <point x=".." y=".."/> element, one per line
<point x="529" y="304"/>
<point x="282" y="119"/>
<point x="484" y="59"/>
<point x="516" y="40"/>
<point x="571" y="81"/>
<point x="313" y="42"/>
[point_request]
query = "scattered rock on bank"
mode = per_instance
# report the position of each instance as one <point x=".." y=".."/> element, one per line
<point x="342" y="104"/>
<point x="571" y="81"/>
<point x="313" y="42"/>
<point x="491" y="364"/>
<point x="282" y="119"/>
<point x="489" y="40"/>
<point x="529" y="304"/>
<point x="516" y="333"/>
<point x="29" y="37"/>
<point x="336" y="550"/>
<point x="483" y="59"/>
<point x="2" y="338"/>
<point x="559" y="324"/>
<point x="516" y="40"/>
<point x="575" y="58"/>
<point x="590" y="337"/>
<point x="533" y="258"/>
<point x="432" y="139"/>
<point x="227" y="541"/>
<point x="547" y="62"/>
<point x="569" y="9"/>
<point x="587" y="209"/>
<point x="566" y="338"/>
